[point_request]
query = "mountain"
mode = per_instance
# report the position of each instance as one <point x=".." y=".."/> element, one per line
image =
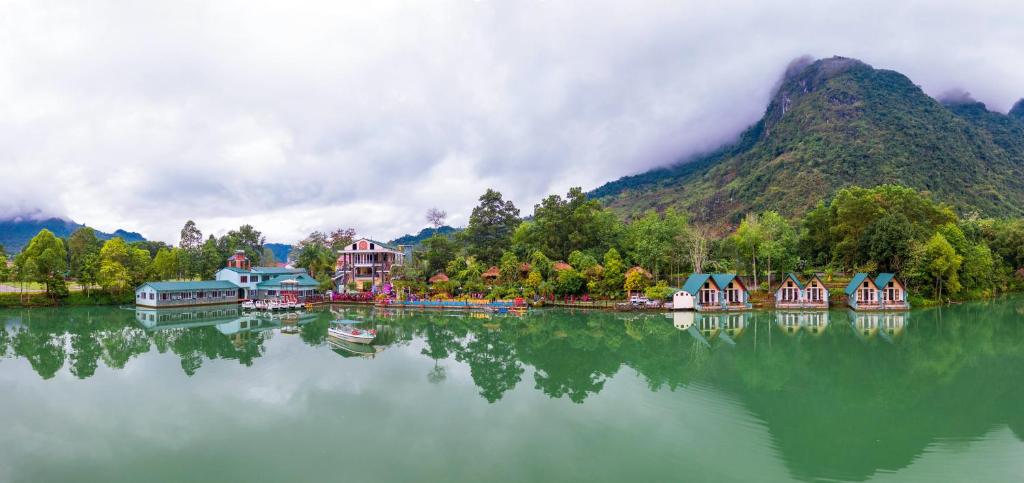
<point x="423" y="235"/>
<point x="17" y="232"/>
<point x="280" y="250"/>
<point x="839" y="122"/>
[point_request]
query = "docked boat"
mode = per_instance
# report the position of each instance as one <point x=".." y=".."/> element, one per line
<point x="346" y="331"/>
<point x="248" y="305"/>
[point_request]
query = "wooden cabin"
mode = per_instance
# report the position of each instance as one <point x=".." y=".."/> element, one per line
<point x="892" y="293"/>
<point x="883" y="292"/>
<point x="792" y="294"/>
<point x="707" y="292"/>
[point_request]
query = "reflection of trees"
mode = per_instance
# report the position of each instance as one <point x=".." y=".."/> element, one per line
<point x="441" y="344"/>
<point x="43" y="350"/>
<point x="492" y="363"/>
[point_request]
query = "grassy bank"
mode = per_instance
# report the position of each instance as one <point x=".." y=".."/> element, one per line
<point x="73" y="299"/>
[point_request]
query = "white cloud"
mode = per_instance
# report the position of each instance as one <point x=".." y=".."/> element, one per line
<point x="296" y="116"/>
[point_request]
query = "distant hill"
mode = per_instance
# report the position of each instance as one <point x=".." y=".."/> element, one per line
<point x="839" y="122"/>
<point x="280" y="250"/>
<point x="16" y="233"/>
<point x="423" y="235"/>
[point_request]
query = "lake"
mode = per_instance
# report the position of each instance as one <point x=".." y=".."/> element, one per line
<point x="112" y="394"/>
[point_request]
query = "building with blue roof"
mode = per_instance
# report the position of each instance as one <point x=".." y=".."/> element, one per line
<point x="884" y="292"/>
<point x="708" y="292"/>
<point x="792" y="294"/>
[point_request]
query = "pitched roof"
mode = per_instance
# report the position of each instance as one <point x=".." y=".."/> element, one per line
<point x="858" y="279"/>
<point x="792" y="277"/>
<point x="277" y="270"/>
<point x="235" y="269"/>
<point x="723" y="279"/>
<point x="492" y="272"/>
<point x="439" y="277"/>
<point x="694" y="282"/>
<point x="190" y="285"/>
<point x="560" y="265"/>
<point x="302" y="280"/>
<point x="883" y="279"/>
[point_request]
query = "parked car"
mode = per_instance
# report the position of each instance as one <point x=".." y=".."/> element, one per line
<point x="638" y="300"/>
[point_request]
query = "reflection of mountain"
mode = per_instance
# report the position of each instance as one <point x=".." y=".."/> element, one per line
<point x="837" y="405"/>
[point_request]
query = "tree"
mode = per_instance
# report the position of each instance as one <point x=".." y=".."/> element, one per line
<point x="940" y="262"/>
<point x="44" y="260"/>
<point x="245" y="238"/>
<point x="490" y="227"/>
<point x="888" y="241"/>
<point x="613" y="279"/>
<point x="636" y="281"/>
<point x="569" y="282"/>
<point x="81" y="244"/>
<point x="211" y="258"/>
<point x="749" y="238"/>
<point x="561" y="226"/>
<point x="696" y="242"/>
<point x="509" y="268"/>
<point x="341" y="237"/>
<point x="115" y="259"/>
<point x="437" y="251"/>
<point x="165" y="266"/>
<point x="190" y="243"/>
<point x="779" y="241"/>
<point x="268" y="259"/>
<point x="317" y="259"/>
<point x="436" y="217"/>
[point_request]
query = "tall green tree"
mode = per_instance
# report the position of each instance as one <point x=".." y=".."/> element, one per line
<point x="490" y="227"/>
<point x="938" y="261"/>
<point x="81" y="243"/>
<point x="44" y="260"/>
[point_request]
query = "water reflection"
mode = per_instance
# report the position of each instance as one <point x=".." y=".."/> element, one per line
<point x="946" y="376"/>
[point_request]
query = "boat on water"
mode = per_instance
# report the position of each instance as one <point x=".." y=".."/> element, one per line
<point x="344" y="330"/>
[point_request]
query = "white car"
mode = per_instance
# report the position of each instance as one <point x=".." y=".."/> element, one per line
<point x="638" y="300"/>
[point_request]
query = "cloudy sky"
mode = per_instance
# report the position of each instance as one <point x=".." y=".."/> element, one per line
<point x="298" y="116"/>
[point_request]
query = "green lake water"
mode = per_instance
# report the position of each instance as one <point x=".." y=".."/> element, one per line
<point x="111" y="394"/>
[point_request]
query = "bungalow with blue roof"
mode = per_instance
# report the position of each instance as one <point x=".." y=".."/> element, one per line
<point x="792" y="294"/>
<point x="882" y="293"/>
<point x="186" y="294"/>
<point x="707" y="292"/>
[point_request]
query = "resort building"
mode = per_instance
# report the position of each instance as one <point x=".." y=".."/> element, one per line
<point x="236" y="282"/>
<point x="882" y="293"/>
<point x="792" y="294"/>
<point x="240" y="272"/>
<point x="367" y="264"/>
<point x="186" y="294"/>
<point x="707" y="292"/>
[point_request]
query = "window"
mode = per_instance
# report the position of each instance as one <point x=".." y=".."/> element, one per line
<point x="245" y="279"/>
<point x="371" y="246"/>
<point x="152" y="296"/>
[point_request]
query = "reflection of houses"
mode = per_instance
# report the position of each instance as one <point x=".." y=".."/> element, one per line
<point x="792" y="294"/>
<point x="886" y="324"/>
<point x="808" y="321"/>
<point x="711" y="292"/>
<point x="367" y="263"/>
<point x="228" y="319"/>
<point x="723" y="325"/>
<point x="885" y="292"/>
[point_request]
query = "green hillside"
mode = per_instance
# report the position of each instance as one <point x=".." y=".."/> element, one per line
<point x="839" y="122"/>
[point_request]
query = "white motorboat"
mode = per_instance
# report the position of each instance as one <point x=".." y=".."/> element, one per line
<point x="351" y="333"/>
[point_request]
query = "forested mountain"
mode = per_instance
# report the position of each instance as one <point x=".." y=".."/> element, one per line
<point x="423" y="235"/>
<point x="839" y="122"/>
<point x="15" y="233"/>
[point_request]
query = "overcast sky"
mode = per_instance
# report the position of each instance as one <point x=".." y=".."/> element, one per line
<point x="298" y="116"/>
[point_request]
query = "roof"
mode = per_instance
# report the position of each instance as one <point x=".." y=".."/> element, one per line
<point x="640" y="269"/>
<point x="792" y="277"/>
<point x="723" y="279"/>
<point x="440" y="277"/>
<point x="377" y="244"/>
<point x="277" y="270"/>
<point x="695" y="282"/>
<point x="190" y="285"/>
<point x="492" y="272"/>
<point x="302" y="279"/>
<point x="560" y="265"/>
<point x="858" y="279"/>
<point x="883" y="279"/>
<point x="235" y="269"/>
